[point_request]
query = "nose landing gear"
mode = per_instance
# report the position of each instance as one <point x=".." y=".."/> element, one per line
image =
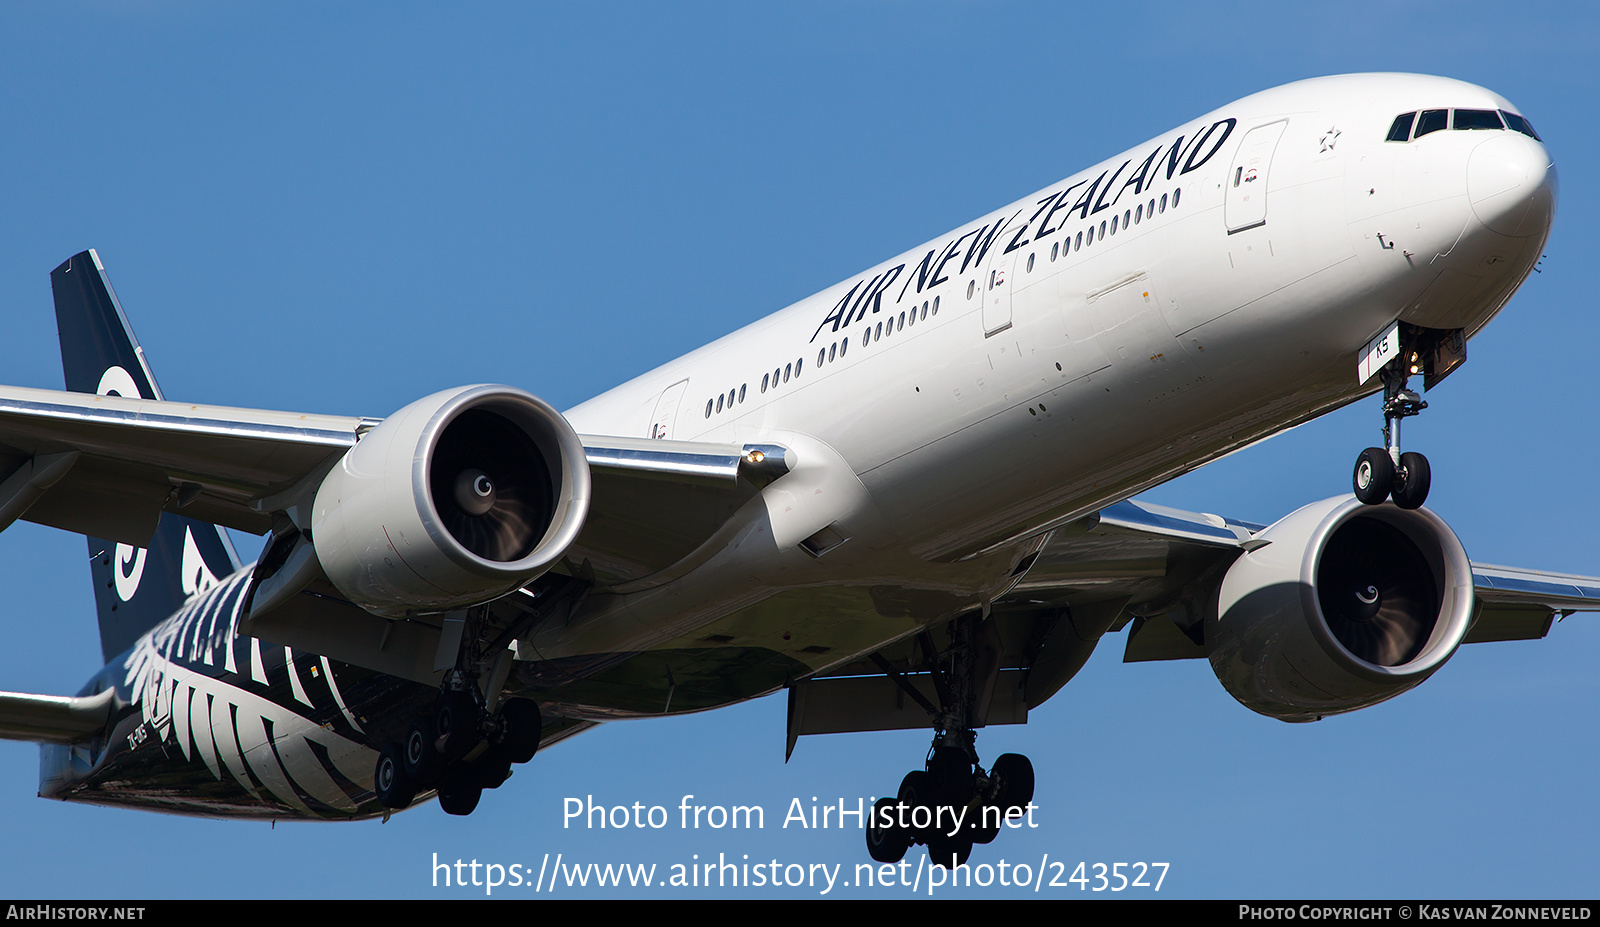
<point x="1385" y="472"/>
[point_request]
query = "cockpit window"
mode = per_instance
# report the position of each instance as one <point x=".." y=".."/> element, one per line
<point x="1432" y="120"/>
<point x="1477" y="119"/>
<point x="1401" y="130"/>
<point x="1519" y="124"/>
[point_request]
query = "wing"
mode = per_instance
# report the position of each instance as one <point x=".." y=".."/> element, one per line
<point x="1146" y="568"/>
<point x="107" y="466"/>
<point x="1150" y="554"/>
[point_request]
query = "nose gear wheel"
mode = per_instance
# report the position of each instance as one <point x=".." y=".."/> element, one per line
<point x="1385" y="473"/>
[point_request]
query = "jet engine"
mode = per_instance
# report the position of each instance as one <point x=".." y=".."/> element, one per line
<point x="1347" y="606"/>
<point x="457" y="499"/>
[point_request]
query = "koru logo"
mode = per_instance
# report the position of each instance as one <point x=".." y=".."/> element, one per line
<point x="129" y="567"/>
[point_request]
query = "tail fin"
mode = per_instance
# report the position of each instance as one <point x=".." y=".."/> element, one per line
<point x="134" y="588"/>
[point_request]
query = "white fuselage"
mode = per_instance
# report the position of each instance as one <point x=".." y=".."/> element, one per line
<point x="983" y="395"/>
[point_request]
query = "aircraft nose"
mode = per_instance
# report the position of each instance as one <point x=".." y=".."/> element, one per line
<point x="1511" y="183"/>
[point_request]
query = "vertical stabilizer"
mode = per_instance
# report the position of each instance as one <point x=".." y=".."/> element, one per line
<point x="134" y="588"/>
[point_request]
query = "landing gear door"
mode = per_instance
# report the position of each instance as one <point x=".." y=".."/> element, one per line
<point x="1245" y="203"/>
<point x="667" y="410"/>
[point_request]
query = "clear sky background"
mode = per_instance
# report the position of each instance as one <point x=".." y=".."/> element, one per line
<point x="343" y="207"/>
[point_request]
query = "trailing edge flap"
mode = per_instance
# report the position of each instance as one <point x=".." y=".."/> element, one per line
<point x="55" y="719"/>
<point x="653" y="501"/>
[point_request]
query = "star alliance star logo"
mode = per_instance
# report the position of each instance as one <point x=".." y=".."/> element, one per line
<point x="1328" y="140"/>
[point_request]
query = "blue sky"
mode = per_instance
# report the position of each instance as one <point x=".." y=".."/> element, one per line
<point x="341" y="208"/>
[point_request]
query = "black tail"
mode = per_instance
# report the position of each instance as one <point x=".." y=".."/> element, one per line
<point x="134" y="588"/>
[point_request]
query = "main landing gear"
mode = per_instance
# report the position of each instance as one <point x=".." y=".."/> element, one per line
<point x="949" y="805"/>
<point x="952" y="803"/>
<point x="458" y="750"/>
<point x="465" y="742"/>
<point x="1384" y="472"/>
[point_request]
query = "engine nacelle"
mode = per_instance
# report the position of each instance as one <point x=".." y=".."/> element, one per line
<point x="1349" y="605"/>
<point x="457" y="499"/>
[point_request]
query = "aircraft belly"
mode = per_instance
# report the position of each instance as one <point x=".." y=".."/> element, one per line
<point x="746" y="623"/>
<point x="199" y="738"/>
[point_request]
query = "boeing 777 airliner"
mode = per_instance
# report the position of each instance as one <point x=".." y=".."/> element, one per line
<point x="904" y="500"/>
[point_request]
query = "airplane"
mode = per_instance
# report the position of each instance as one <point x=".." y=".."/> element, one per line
<point x="907" y="501"/>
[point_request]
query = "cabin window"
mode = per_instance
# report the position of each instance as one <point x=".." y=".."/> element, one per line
<point x="798" y="366"/>
<point x="822" y="354"/>
<point x="1090" y="239"/>
<point x="764" y="378"/>
<point x="1432" y="120"/>
<point x="1030" y="263"/>
<point x="1401" y="130"/>
<point x="1163" y="202"/>
<point x="1078" y="245"/>
<point x="1138" y="214"/>
<point x="833" y="352"/>
<point x="1175" y="194"/>
<point x="1150" y="210"/>
<point x="844" y="346"/>
<point x="1113" y="225"/>
<point x="1518" y="124"/>
<point x="786" y="369"/>
<point x="936" y="305"/>
<point x="708" y="408"/>
<point x="719" y="402"/>
<point x="972" y="285"/>
<point x="1054" y="249"/>
<point x="1127" y="214"/>
<point x="741" y="391"/>
<point x="1102" y="229"/>
<point x="902" y="323"/>
<point x="1476" y="119"/>
<point x="877" y="332"/>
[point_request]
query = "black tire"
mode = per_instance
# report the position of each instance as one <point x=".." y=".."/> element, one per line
<point x="456" y="723"/>
<point x="1412" y="482"/>
<point x="950" y="771"/>
<point x="489" y="771"/>
<point x="1374" y="476"/>
<point x="422" y="759"/>
<point x="886" y="844"/>
<point x="389" y="780"/>
<point x="522" y="729"/>
<point x="916" y="792"/>
<point x="459" y="799"/>
<point x="1013" y="774"/>
<point x="949" y="852"/>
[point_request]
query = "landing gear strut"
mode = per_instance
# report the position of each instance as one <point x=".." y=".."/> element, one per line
<point x="464" y="742"/>
<point x="952" y="803"/>
<point x="1385" y="472"/>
